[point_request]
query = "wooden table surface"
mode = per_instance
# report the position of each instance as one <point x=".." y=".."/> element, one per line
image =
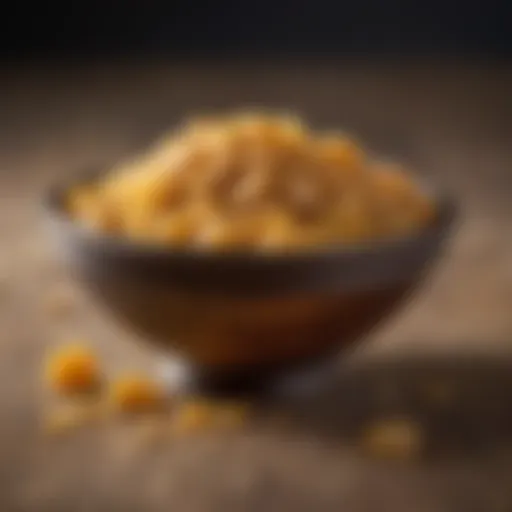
<point x="451" y="121"/>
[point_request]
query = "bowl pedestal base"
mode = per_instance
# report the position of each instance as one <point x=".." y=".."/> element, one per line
<point x="295" y="381"/>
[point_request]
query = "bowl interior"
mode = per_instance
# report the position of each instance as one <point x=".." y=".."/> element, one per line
<point x="372" y="264"/>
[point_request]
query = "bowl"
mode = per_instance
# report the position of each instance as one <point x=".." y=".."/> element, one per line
<point x="244" y="317"/>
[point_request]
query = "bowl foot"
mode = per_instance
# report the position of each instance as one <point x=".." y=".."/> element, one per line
<point x="268" y="383"/>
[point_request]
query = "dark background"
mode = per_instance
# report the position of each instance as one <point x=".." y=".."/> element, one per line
<point x="264" y="27"/>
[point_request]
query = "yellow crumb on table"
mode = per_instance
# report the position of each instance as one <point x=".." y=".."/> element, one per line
<point x="231" y="415"/>
<point x="192" y="416"/>
<point x="73" y="369"/>
<point x="71" y="417"/>
<point x="197" y="415"/>
<point x="135" y="393"/>
<point x="393" y="438"/>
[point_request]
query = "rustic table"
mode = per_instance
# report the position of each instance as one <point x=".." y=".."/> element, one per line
<point x="450" y="120"/>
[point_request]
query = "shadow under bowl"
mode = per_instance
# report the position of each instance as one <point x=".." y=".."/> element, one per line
<point x="247" y="315"/>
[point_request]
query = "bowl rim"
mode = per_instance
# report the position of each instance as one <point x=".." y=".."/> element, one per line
<point x="52" y="203"/>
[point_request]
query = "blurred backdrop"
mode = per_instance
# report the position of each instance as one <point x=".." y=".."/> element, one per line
<point x="429" y="83"/>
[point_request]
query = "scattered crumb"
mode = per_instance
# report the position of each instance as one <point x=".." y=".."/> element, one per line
<point x="73" y="372"/>
<point x="136" y="393"/>
<point x="192" y="416"/>
<point x="398" y="438"/>
<point x="73" y="369"/>
<point x="64" y="419"/>
<point x="231" y="415"/>
<point x="197" y="415"/>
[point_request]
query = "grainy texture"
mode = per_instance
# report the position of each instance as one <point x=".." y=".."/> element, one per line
<point x="451" y="121"/>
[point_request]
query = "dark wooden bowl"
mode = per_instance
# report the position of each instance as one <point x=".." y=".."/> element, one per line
<point x="247" y="314"/>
